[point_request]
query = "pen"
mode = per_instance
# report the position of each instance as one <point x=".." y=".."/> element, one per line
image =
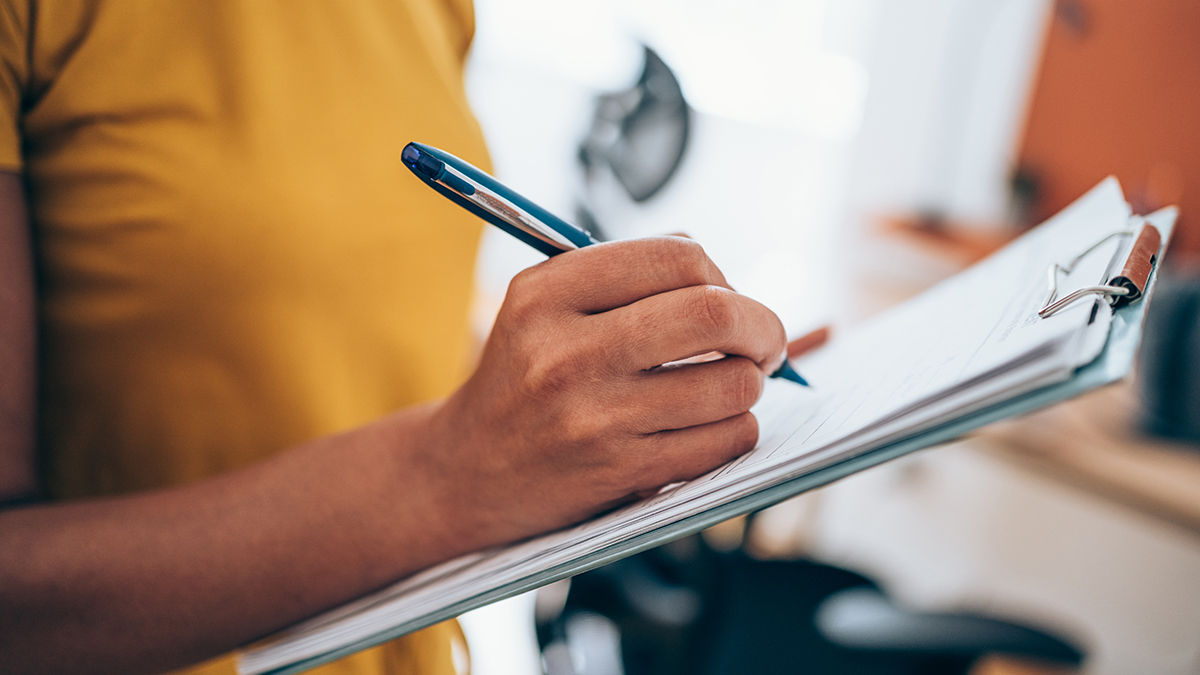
<point x="488" y="198"/>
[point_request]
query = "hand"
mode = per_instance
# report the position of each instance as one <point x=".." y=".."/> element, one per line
<point x="569" y="414"/>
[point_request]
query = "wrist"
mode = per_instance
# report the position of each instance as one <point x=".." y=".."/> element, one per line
<point x="430" y="493"/>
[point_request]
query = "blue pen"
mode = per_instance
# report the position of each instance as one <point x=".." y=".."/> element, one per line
<point x="498" y="204"/>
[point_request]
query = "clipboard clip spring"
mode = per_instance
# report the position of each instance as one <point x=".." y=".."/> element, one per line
<point x="1124" y="287"/>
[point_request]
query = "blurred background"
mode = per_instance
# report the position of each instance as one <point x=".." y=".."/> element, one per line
<point x="836" y="157"/>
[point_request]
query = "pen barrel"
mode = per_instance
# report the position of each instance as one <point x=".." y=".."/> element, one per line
<point x="421" y="158"/>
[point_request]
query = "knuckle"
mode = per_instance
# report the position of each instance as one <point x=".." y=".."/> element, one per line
<point x="541" y="378"/>
<point x="567" y="403"/>
<point x="745" y="434"/>
<point x="555" y="377"/>
<point x="523" y="300"/>
<point x="682" y="260"/>
<point x="582" y="432"/>
<point x="744" y="385"/>
<point x="525" y="279"/>
<point x="687" y="259"/>
<point x="713" y="311"/>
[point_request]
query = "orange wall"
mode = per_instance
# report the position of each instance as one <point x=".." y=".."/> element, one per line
<point x="1119" y="93"/>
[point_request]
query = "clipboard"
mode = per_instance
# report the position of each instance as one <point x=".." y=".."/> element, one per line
<point x="1134" y="273"/>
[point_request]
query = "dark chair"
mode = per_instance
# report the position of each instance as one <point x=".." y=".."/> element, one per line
<point x="688" y="609"/>
<point x="863" y="619"/>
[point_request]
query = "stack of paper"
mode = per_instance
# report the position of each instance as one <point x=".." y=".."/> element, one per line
<point x="972" y="342"/>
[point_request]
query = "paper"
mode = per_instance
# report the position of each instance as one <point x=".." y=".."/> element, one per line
<point x="968" y="343"/>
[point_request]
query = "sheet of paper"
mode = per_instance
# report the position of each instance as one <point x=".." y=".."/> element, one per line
<point x="969" y="342"/>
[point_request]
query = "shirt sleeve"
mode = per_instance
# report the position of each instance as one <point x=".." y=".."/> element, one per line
<point x="14" y="70"/>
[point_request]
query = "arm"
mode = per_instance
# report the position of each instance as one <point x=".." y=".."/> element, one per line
<point x="562" y="419"/>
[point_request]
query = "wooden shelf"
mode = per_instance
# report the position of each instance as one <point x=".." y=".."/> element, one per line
<point x="957" y="241"/>
<point x="1092" y="443"/>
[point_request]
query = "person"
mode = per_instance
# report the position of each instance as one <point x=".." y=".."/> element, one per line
<point x="234" y="385"/>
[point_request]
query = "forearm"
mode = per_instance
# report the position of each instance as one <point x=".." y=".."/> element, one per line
<point x="148" y="582"/>
<point x="546" y="432"/>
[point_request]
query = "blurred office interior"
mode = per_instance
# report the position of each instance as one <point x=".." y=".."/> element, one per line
<point x="841" y="156"/>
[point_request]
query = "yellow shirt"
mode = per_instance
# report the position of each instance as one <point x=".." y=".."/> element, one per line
<point x="232" y="258"/>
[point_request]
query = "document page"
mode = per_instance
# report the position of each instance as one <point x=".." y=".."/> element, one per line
<point x="969" y="342"/>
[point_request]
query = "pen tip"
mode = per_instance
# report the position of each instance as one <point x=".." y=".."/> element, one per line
<point x="788" y="373"/>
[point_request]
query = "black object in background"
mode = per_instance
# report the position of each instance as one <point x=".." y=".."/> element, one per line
<point x="684" y="608"/>
<point x="641" y="132"/>
<point x="1170" y="361"/>
<point x="638" y="134"/>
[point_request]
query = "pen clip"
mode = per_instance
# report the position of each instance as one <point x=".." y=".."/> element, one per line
<point x="505" y="210"/>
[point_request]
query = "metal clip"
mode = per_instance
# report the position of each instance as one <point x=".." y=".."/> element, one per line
<point x="1124" y="287"/>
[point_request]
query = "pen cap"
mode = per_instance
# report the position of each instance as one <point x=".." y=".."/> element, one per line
<point x="423" y="163"/>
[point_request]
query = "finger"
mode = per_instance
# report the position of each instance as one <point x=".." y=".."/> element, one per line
<point x="683" y="454"/>
<point x="693" y="395"/>
<point x="678" y="324"/>
<point x="606" y="276"/>
<point x="808" y="342"/>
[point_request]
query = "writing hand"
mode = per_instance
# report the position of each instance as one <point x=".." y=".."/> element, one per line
<point x="568" y="413"/>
